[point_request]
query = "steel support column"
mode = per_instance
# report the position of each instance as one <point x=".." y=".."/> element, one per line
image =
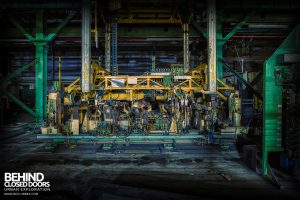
<point x="211" y="47"/>
<point x="40" y="78"/>
<point x="107" y="46"/>
<point x="153" y="63"/>
<point x="40" y="42"/>
<point x="186" y="53"/>
<point x="86" y="46"/>
<point x="45" y="75"/>
<point x="114" y="46"/>
<point x="41" y="75"/>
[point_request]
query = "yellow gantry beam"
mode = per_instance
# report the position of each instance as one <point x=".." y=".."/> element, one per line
<point x="151" y="82"/>
<point x="124" y="87"/>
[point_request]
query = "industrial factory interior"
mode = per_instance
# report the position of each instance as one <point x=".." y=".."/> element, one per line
<point x="150" y="99"/>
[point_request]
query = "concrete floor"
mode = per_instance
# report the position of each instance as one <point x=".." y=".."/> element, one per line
<point x="135" y="172"/>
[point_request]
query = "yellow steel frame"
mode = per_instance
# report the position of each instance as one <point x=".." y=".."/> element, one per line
<point x="74" y="86"/>
<point x="194" y="80"/>
<point x="223" y="86"/>
<point x="153" y="82"/>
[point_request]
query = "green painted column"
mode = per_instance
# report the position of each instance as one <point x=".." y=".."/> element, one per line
<point x="45" y="75"/>
<point x="40" y="42"/>
<point x="40" y="69"/>
<point x="41" y="75"/>
<point x="40" y="85"/>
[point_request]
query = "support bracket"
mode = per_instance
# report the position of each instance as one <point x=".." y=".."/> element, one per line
<point x="241" y="79"/>
<point x="18" y="71"/>
<point x="60" y="26"/>
<point x="237" y="27"/>
<point x="20" y="103"/>
<point x="20" y="28"/>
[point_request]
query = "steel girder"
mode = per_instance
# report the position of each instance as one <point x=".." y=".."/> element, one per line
<point x="240" y="78"/>
<point x="17" y="72"/>
<point x="41" y="51"/>
<point x="11" y="96"/>
<point x="20" y="103"/>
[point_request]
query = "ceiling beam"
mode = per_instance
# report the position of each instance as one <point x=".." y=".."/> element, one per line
<point x="237" y="27"/>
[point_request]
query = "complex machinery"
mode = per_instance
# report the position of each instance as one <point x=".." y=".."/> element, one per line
<point x="160" y="106"/>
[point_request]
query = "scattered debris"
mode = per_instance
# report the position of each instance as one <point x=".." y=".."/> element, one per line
<point x="225" y="176"/>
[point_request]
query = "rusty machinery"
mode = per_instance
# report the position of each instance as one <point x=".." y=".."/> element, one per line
<point x="159" y="106"/>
